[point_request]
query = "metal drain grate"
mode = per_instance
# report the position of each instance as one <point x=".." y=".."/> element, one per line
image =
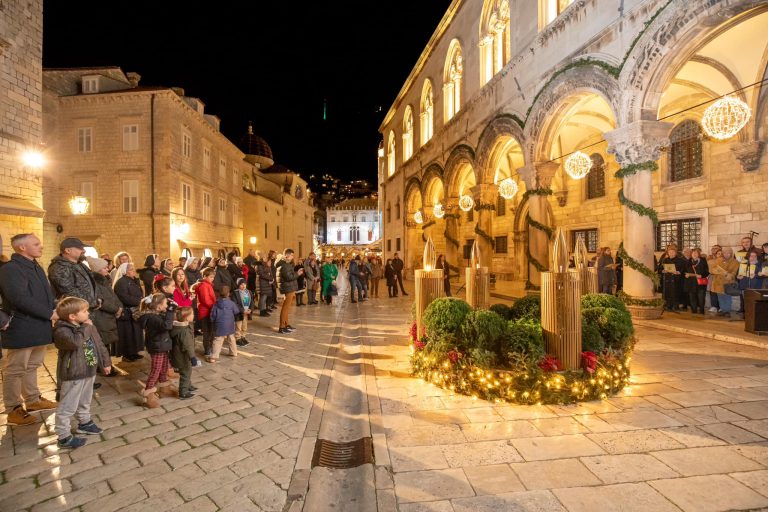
<point x="343" y="455"/>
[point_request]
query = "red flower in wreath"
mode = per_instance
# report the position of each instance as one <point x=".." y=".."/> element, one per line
<point x="589" y="361"/>
<point x="412" y="331"/>
<point x="419" y="345"/>
<point x="550" y="364"/>
<point x="454" y="355"/>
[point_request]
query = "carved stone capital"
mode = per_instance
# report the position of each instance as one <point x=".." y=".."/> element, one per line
<point x="485" y="193"/>
<point x="638" y="142"/>
<point x="749" y="154"/>
<point x="528" y="175"/>
<point x="545" y="171"/>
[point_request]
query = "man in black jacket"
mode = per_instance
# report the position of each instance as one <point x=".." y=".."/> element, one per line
<point x="397" y="264"/>
<point x="27" y="296"/>
<point x="69" y="277"/>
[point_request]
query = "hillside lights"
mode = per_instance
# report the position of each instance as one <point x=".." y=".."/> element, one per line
<point x="725" y="118"/>
<point x="466" y="203"/>
<point x="508" y="188"/>
<point x="438" y="211"/>
<point x="578" y="165"/>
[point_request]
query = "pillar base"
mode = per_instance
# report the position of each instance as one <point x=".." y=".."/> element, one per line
<point x="645" y="312"/>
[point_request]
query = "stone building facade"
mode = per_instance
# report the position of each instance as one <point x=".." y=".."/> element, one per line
<point x="158" y="174"/>
<point x="505" y="92"/>
<point x="21" y="123"/>
<point x="278" y="212"/>
<point x="353" y="222"/>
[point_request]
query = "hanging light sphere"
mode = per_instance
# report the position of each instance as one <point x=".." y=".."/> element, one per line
<point x="79" y="205"/>
<point x="438" y="210"/>
<point x="418" y="217"/>
<point x="466" y="203"/>
<point x="725" y="118"/>
<point x="508" y="188"/>
<point x="578" y="165"/>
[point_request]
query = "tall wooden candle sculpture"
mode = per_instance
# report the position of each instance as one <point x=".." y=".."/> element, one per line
<point x="429" y="283"/>
<point x="561" y="307"/>
<point x="478" y="281"/>
<point x="587" y="274"/>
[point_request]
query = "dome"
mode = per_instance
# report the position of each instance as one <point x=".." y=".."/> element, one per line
<point x="256" y="149"/>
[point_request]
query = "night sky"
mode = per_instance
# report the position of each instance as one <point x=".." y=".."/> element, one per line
<point x="287" y="58"/>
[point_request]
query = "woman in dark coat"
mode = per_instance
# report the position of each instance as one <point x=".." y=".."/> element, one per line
<point x="696" y="273"/>
<point x="606" y="271"/>
<point x="446" y="268"/>
<point x="223" y="277"/>
<point x="105" y="317"/>
<point x="266" y="281"/>
<point x="130" y="336"/>
<point x="193" y="271"/>
<point x="672" y="279"/>
<point x="148" y="273"/>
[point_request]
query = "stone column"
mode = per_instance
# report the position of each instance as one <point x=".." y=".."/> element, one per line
<point x="638" y="143"/>
<point x="485" y="194"/>
<point x="452" y="231"/>
<point x="538" y="176"/>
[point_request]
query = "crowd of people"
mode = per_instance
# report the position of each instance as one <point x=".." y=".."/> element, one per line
<point x="709" y="282"/>
<point x="95" y="309"/>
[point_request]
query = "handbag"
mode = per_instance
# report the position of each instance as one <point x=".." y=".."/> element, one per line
<point x="732" y="289"/>
<point x="703" y="281"/>
<point x="332" y="290"/>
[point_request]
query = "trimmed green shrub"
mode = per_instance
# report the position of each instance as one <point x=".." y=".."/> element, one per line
<point x="602" y="300"/>
<point x="502" y="310"/>
<point x="591" y="339"/>
<point x="614" y="325"/>
<point x="444" y="317"/>
<point x="484" y="329"/>
<point x="527" y="307"/>
<point x="523" y="343"/>
<point x="483" y="358"/>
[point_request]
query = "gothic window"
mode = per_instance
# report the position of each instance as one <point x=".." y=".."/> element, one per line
<point x="408" y="133"/>
<point x="596" y="177"/>
<point x="426" y="116"/>
<point x="338" y="235"/>
<point x="454" y="71"/>
<point x="354" y="234"/>
<point x="551" y="9"/>
<point x="397" y="209"/>
<point x="391" y="154"/>
<point x="588" y="235"/>
<point x="683" y="232"/>
<point x="494" y="38"/>
<point x="685" y="154"/>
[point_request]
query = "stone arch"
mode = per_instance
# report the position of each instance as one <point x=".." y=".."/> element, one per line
<point x="433" y="171"/>
<point x="461" y="155"/>
<point x="501" y="126"/>
<point x="580" y="79"/>
<point x="412" y="185"/>
<point x="667" y="43"/>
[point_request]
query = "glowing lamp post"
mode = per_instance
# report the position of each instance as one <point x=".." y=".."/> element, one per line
<point x="429" y="283"/>
<point x="587" y="274"/>
<point x="561" y="307"/>
<point x="478" y="280"/>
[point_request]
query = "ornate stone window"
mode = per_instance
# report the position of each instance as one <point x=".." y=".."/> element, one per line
<point x="407" y="133"/>
<point x="685" y="160"/>
<point x="494" y="38"/>
<point x="596" y="177"/>
<point x="427" y="112"/>
<point x="452" y="77"/>
<point x="391" y="154"/>
<point x="354" y="234"/>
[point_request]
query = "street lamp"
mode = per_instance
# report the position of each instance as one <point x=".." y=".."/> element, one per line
<point x="33" y="159"/>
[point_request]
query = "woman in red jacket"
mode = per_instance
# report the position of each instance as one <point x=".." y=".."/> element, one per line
<point x="206" y="299"/>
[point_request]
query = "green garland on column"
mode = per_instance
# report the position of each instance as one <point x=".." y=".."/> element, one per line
<point x="642" y="210"/>
<point x="485" y="236"/>
<point x="541" y="227"/>
<point x="428" y="224"/>
<point x="537" y="192"/>
<point x="451" y="239"/>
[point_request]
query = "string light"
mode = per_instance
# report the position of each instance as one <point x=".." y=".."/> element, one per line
<point x="438" y="211"/>
<point x="466" y="202"/>
<point x="508" y="188"/>
<point x="418" y="217"/>
<point x="578" y="165"/>
<point x="725" y="118"/>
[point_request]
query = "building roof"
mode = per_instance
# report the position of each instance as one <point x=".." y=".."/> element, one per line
<point x="253" y="145"/>
<point x="357" y="204"/>
<point x="276" y="169"/>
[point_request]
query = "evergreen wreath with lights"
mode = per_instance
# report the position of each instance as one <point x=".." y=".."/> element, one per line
<point x="485" y="236"/>
<point x="499" y="354"/>
<point x="541" y="227"/>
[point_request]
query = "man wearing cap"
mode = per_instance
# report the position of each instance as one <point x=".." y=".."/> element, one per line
<point x="69" y="277"/>
<point x="28" y="297"/>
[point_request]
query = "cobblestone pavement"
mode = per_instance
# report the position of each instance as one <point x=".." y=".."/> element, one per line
<point x="232" y="447"/>
<point x="690" y="434"/>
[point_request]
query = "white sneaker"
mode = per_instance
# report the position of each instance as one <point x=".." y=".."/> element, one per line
<point x="713" y="310"/>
